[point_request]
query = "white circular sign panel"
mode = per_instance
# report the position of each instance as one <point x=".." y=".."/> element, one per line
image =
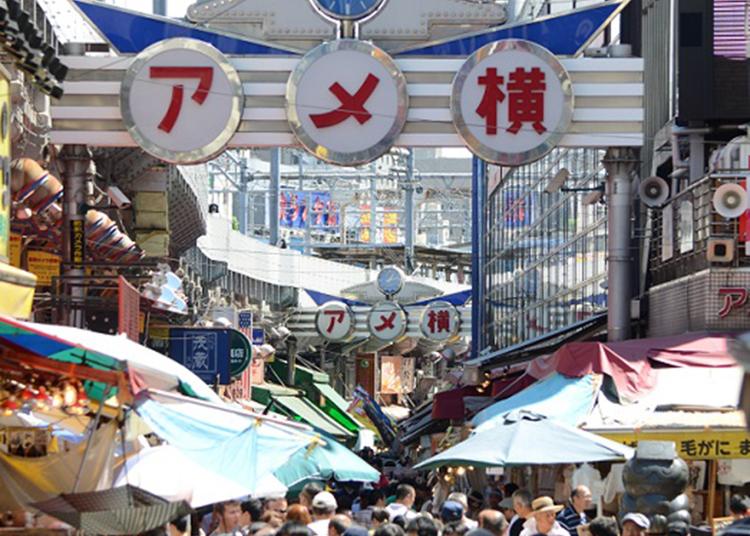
<point x="512" y="102"/>
<point x="387" y="321"/>
<point x="334" y="321"/>
<point x="440" y="321"/>
<point x="181" y="101"/>
<point x="347" y="102"/>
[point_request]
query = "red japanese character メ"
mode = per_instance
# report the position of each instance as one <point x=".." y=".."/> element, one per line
<point x="351" y="105"/>
<point x="205" y="76"/>
<point x="387" y="322"/>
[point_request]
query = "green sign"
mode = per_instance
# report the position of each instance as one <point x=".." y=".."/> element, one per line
<point x="240" y="352"/>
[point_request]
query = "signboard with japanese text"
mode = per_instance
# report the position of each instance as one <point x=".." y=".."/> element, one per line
<point x="204" y="351"/>
<point x="693" y="444"/>
<point x="258" y="336"/>
<point x="77" y="242"/>
<point x="512" y="102"/>
<point x="387" y="321"/>
<point x="346" y="102"/>
<point x="15" y="246"/>
<point x="440" y="321"/>
<point x="44" y="265"/>
<point x="518" y="207"/>
<point x="240" y="352"/>
<point x="181" y="101"/>
<point x="334" y="321"/>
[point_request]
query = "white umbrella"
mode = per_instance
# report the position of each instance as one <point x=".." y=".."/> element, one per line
<point x="166" y="472"/>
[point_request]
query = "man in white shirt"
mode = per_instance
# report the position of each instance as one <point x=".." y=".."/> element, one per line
<point x="323" y="509"/>
<point x="401" y="507"/>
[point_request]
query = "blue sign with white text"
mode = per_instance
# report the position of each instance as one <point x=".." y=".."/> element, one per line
<point x="204" y="351"/>
<point x="259" y="337"/>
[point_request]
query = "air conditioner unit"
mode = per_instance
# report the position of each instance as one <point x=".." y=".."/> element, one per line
<point x="720" y="250"/>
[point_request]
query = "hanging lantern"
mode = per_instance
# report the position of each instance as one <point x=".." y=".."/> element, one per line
<point x="69" y="394"/>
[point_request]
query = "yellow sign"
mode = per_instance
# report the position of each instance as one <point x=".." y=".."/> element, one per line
<point x="44" y="265"/>
<point x="14" y="251"/>
<point x="4" y="167"/>
<point x="693" y="445"/>
<point x="77" y="241"/>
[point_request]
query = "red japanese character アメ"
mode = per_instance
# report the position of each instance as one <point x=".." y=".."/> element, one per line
<point x="387" y="322"/>
<point x="351" y="105"/>
<point x="337" y="317"/>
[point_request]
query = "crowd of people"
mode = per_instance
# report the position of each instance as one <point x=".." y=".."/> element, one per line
<point x="392" y="511"/>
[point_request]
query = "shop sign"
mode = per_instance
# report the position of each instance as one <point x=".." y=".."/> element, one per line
<point x="346" y="102"/>
<point x="390" y="375"/>
<point x="734" y="298"/>
<point x="258" y="336"/>
<point x="240" y="353"/>
<point x="512" y="102"/>
<point x="693" y="445"/>
<point x="77" y="242"/>
<point x="387" y="321"/>
<point x="181" y="101"/>
<point x="334" y="321"/>
<point x="440" y="321"/>
<point x="14" y="249"/>
<point x="44" y="265"/>
<point x="204" y="351"/>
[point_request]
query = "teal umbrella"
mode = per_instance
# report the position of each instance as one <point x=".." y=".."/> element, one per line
<point x="325" y="462"/>
<point x="525" y="438"/>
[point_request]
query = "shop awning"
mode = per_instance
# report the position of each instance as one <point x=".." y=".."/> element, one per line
<point x="316" y="387"/>
<point x="336" y="407"/>
<point x="103" y="352"/>
<point x="17" y="289"/>
<point x="541" y="345"/>
<point x="237" y="445"/>
<point x="525" y="438"/>
<point x="289" y="402"/>
<point x="568" y="400"/>
<point x="450" y="404"/>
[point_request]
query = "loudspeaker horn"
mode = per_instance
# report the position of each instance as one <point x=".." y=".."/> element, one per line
<point x="653" y="191"/>
<point x="730" y="200"/>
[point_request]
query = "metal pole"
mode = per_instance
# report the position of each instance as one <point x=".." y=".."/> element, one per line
<point x="308" y="223"/>
<point x="243" y="197"/>
<point x="620" y="164"/>
<point x="478" y="184"/>
<point x="76" y="161"/>
<point x="275" y="187"/>
<point x="291" y="346"/>
<point x="373" y="209"/>
<point x="697" y="155"/>
<point x="409" y="214"/>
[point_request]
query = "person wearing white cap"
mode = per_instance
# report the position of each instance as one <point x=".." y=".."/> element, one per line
<point x="635" y="524"/>
<point x="323" y="509"/>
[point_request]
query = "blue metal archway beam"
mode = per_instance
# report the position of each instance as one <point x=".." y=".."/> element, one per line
<point x="129" y="32"/>
<point x="565" y="34"/>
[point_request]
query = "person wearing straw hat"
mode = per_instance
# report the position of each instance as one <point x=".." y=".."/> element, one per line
<point x="543" y="520"/>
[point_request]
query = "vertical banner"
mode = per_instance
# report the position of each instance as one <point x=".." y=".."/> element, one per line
<point x="4" y="168"/>
<point x="77" y="241"/>
<point x="128" y="309"/>
<point x="390" y="228"/>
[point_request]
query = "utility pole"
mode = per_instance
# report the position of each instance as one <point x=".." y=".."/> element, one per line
<point x="243" y="206"/>
<point x="373" y="209"/>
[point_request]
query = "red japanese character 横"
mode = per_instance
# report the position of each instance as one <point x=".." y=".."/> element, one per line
<point x="439" y="321"/>
<point x="492" y="96"/>
<point x="526" y="99"/>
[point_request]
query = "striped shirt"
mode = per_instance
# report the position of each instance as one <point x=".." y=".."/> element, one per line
<point x="570" y="519"/>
